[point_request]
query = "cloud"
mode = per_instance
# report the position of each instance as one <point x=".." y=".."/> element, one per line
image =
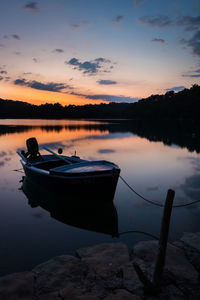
<point x="175" y="89"/>
<point x="90" y="67"/>
<point x="156" y="21"/>
<point x="15" y="36"/>
<point x="2" y="46"/>
<point x="191" y="187"/>
<point x="3" y="72"/>
<point x="58" y="51"/>
<point x="193" y="75"/>
<point x="1" y="78"/>
<point x="35" y="60"/>
<point x="102" y="151"/>
<point x="51" y="86"/>
<point x="118" y="19"/>
<point x="17" y="53"/>
<point x="32" y="6"/>
<point x="108" y="98"/>
<point x="106" y="82"/>
<point x="156" y="40"/>
<point x="193" y="43"/>
<point x="81" y="24"/>
<point x="75" y="26"/>
<point x="190" y="23"/>
<point x="152" y="188"/>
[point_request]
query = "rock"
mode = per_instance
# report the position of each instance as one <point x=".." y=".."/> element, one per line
<point x="131" y="281"/>
<point x="192" y="255"/>
<point x="49" y="296"/>
<point x="122" y="295"/>
<point x="176" y="262"/>
<point x="171" y="292"/>
<point x="106" y="272"/>
<point x="70" y="292"/>
<point x="192" y="240"/>
<point x="105" y="259"/>
<point x="17" y="286"/>
<point x="178" y="270"/>
<point x="56" y="273"/>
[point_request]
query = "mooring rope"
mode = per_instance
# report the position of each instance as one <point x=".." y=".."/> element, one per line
<point x="152" y="202"/>
<point x="140" y="232"/>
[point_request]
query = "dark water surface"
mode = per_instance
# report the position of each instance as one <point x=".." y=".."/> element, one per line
<point x="152" y="159"/>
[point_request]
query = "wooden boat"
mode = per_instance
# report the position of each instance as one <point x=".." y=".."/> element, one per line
<point x="98" y="216"/>
<point x="71" y="174"/>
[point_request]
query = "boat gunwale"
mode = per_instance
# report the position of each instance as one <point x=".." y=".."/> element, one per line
<point x="70" y="175"/>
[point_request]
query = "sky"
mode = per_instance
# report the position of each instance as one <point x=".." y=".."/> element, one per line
<point x="87" y="51"/>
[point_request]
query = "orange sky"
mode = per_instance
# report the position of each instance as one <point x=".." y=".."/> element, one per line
<point x="38" y="97"/>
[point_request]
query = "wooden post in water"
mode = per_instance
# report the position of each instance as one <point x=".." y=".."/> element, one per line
<point x="160" y="261"/>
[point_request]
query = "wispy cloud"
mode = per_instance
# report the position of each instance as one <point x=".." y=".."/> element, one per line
<point x="192" y="74"/>
<point x="1" y="78"/>
<point x="118" y="19"/>
<point x="156" y="21"/>
<point x="17" y="52"/>
<point x="175" y="89"/>
<point x="15" y="36"/>
<point x="156" y="40"/>
<point x="58" y="50"/>
<point x="3" y="72"/>
<point x="193" y="43"/>
<point x="90" y="67"/>
<point x="105" y="151"/>
<point x="188" y="22"/>
<point x="79" y="25"/>
<point x="108" y="98"/>
<point x="51" y="86"/>
<point x="35" y="60"/>
<point x="11" y="36"/>
<point x="32" y="6"/>
<point x="106" y="82"/>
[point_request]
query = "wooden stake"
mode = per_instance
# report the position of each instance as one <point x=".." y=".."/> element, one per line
<point x="160" y="261"/>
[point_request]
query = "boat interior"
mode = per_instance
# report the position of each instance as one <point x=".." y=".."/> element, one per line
<point x="50" y="162"/>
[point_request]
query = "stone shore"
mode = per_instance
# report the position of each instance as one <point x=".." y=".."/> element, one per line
<point x="106" y="271"/>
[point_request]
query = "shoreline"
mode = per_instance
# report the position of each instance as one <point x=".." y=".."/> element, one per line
<point x="105" y="271"/>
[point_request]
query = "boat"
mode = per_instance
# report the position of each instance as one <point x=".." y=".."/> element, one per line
<point x="96" y="216"/>
<point x="71" y="174"/>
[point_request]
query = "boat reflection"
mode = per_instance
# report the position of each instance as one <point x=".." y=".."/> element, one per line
<point x="93" y="214"/>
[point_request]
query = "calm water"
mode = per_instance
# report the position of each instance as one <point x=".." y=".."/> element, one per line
<point x="150" y="160"/>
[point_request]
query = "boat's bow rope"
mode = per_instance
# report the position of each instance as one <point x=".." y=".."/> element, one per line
<point x="156" y="203"/>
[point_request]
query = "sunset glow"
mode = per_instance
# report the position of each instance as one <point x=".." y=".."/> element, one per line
<point x="80" y="52"/>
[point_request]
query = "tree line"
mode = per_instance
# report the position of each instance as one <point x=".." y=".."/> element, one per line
<point x="181" y="105"/>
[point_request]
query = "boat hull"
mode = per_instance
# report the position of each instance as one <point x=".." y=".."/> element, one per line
<point x="101" y="185"/>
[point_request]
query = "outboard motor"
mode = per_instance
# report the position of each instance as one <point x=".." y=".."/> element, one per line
<point x="32" y="147"/>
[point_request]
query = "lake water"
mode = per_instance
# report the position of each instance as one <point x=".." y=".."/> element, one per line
<point x="151" y="160"/>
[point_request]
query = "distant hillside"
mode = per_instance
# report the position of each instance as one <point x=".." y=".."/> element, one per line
<point x="184" y="105"/>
